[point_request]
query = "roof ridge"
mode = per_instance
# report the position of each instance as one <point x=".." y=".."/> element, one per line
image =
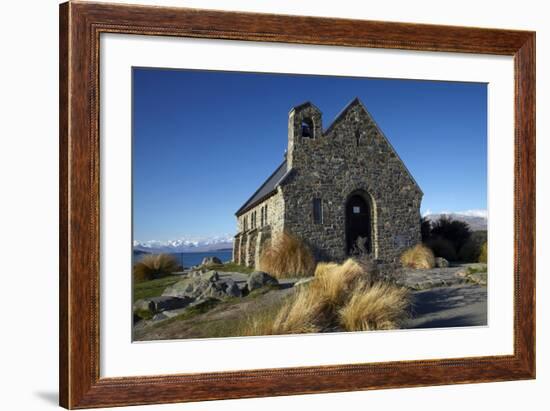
<point x="342" y="112"/>
<point x="267" y="180"/>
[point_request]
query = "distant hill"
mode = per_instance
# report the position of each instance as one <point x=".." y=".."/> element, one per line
<point x="140" y="252"/>
<point x="476" y="219"/>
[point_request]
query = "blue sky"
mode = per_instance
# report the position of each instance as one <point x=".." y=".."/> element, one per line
<point x="204" y="141"/>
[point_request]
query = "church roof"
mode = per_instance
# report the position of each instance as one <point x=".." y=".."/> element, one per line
<point x="268" y="188"/>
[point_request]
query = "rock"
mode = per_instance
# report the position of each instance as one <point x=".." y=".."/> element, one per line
<point x="159" y="317"/>
<point x="441" y="262"/>
<point x="141" y="305"/>
<point x="478" y="278"/>
<point x="206" y="285"/>
<point x="303" y="281"/>
<point x="259" y="279"/>
<point x="164" y="303"/>
<point x="244" y="290"/>
<point x="232" y="289"/>
<point x="192" y="287"/>
<point x="156" y="305"/>
<point x="210" y="275"/>
<point x="211" y="260"/>
<point x="462" y="273"/>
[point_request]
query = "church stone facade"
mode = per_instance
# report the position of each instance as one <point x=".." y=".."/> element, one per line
<point x="336" y="187"/>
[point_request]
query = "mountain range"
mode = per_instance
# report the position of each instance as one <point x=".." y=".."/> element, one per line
<point x="186" y="244"/>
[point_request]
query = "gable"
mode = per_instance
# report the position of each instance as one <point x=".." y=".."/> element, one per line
<point x="354" y="112"/>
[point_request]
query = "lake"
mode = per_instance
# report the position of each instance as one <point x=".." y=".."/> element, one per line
<point x="190" y="259"/>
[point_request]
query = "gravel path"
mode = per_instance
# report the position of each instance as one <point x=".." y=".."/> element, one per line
<point x="454" y="306"/>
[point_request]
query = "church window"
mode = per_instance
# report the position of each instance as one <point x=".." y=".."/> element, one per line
<point x="317" y="211"/>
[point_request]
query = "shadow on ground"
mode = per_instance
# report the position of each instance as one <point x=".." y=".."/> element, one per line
<point x="455" y="306"/>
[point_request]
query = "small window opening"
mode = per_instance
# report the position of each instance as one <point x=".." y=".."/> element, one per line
<point x="262" y="216"/>
<point x="307" y="128"/>
<point x="317" y="211"/>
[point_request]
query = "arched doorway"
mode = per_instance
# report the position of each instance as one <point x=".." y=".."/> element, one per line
<point x="358" y="222"/>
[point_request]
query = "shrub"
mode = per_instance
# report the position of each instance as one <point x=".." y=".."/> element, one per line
<point x="442" y="247"/>
<point x="153" y="266"/>
<point x="321" y="304"/>
<point x="287" y="256"/>
<point x="471" y="250"/>
<point x="425" y="229"/>
<point x="418" y="257"/>
<point x="483" y="254"/>
<point x="457" y="232"/>
<point x="381" y="306"/>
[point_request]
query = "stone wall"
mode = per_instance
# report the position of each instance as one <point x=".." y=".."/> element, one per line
<point x="252" y="240"/>
<point x="352" y="156"/>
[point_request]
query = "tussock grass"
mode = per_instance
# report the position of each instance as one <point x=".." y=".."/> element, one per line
<point x="333" y="282"/>
<point x="286" y="256"/>
<point x="381" y="306"/>
<point x="153" y="266"/>
<point x="339" y="297"/>
<point x="418" y="257"/>
<point x="483" y="254"/>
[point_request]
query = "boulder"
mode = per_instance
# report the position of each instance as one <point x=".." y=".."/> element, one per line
<point x="206" y="285"/>
<point x="232" y="289"/>
<point x="259" y="279"/>
<point x="156" y="305"/>
<point x="159" y="317"/>
<point x="211" y="260"/>
<point x="244" y="290"/>
<point x="192" y="287"/>
<point x="210" y="275"/>
<point x="165" y="303"/>
<point x="440" y="262"/>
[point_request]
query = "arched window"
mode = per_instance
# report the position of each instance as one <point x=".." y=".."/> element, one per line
<point x="262" y="218"/>
<point x="307" y="128"/>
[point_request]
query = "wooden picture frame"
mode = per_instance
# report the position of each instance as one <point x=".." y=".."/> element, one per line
<point x="80" y="27"/>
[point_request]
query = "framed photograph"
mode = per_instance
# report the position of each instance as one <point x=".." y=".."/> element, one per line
<point x="260" y="205"/>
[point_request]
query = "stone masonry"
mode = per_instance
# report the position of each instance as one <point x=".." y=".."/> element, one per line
<point x="333" y="187"/>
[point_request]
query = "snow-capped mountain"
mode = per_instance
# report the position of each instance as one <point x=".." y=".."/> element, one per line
<point x="184" y="244"/>
<point x="477" y="219"/>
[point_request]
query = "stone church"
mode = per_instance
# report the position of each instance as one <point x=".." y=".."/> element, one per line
<point x="336" y="185"/>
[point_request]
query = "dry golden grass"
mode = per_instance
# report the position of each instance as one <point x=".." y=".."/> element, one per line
<point x="153" y="266"/>
<point x="287" y="256"/>
<point x="381" y="306"/>
<point x="302" y="315"/>
<point x="334" y="281"/>
<point x="483" y="255"/>
<point x="418" y="257"/>
<point x="333" y="299"/>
